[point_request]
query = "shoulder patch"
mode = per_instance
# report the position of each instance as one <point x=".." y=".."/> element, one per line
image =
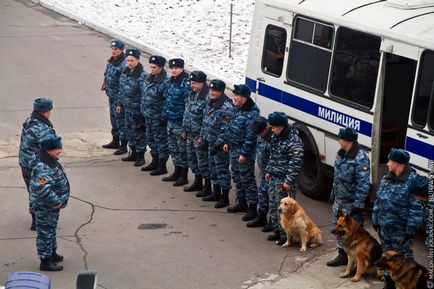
<point x="42" y="181"/>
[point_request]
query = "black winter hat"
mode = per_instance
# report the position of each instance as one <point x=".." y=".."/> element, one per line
<point x="198" y="76"/>
<point x="242" y="90"/>
<point x="259" y="124"/>
<point x="157" y="60"/>
<point x="42" y="104"/>
<point x="419" y="186"/>
<point x="278" y="119"/>
<point x="176" y="62"/>
<point x="133" y="52"/>
<point x="399" y="155"/>
<point x="348" y="134"/>
<point x="217" y="84"/>
<point x="51" y="142"/>
<point x="117" y="43"/>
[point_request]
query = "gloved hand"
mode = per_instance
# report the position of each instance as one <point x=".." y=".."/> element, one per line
<point x="163" y="122"/>
<point x="214" y="150"/>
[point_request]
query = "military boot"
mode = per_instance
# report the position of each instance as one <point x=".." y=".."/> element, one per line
<point x="275" y="236"/>
<point x="131" y="157"/>
<point x="224" y="201"/>
<point x="196" y="186"/>
<point x="389" y="283"/>
<point x="152" y="166"/>
<point x="268" y="227"/>
<point x="259" y="221"/>
<point x="340" y="260"/>
<point x="114" y="144"/>
<point x="281" y="241"/>
<point x="215" y="196"/>
<point x="48" y="265"/>
<point x="55" y="258"/>
<point x="33" y="225"/>
<point x="206" y="190"/>
<point x="161" y="169"/>
<point x="251" y="213"/>
<point x="183" y="177"/>
<point x="140" y="160"/>
<point x="240" y="206"/>
<point x="174" y="176"/>
<point x="122" y="149"/>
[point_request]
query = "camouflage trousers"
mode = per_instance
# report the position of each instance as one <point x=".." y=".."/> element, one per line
<point x="177" y="145"/>
<point x="263" y="198"/>
<point x="276" y="193"/>
<point x="219" y="169"/>
<point x="156" y="137"/>
<point x="344" y="207"/>
<point x="243" y="175"/>
<point x="135" y="130"/>
<point x="117" y="120"/>
<point x="46" y="225"/>
<point x="197" y="155"/>
<point x="26" y="177"/>
<point x="392" y="238"/>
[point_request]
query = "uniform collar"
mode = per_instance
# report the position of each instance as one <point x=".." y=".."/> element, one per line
<point x="203" y="93"/>
<point x="117" y="61"/>
<point x="248" y="105"/>
<point x="38" y="116"/>
<point x="351" y="153"/>
<point x="402" y="177"/>
<point x="47" y="159"/>
<point x="157" y="78"/>
<point x="218" y="103"/>
<point x="136" y="72"/>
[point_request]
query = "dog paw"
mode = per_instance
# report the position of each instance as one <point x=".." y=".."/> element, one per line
<point x="303" y="249"/>
<point x="355" y="279"/>
<point x="313" y="245"/>
<point x="286" y="245"/>
<point x="344" y="274"/>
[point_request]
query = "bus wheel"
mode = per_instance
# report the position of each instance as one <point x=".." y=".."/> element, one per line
<point x="314" y="179"/>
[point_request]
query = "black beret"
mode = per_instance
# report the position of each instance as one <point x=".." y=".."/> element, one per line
<point x="217" y="84"/>
<point x="399" y="155"/>
<point x="133" y="52"/>
<point x="259" y="124"/>
<point x="278" y="119"/>
<point x="42" y="104"/>
<point x="157" y="60"/>
<point x="419" y="186"/>
<point x="348" y="134"/>
<point x="198" y="76"/>
<point x="117" y="43"/>
<point x="51" y="142"/>
<point x="242" y="90"/>
<point x="176" y="62"/>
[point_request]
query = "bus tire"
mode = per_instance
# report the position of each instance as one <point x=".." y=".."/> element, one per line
<point x="315" y="178"/>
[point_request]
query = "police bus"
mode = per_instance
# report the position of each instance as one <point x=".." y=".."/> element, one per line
<point x="334" y="63"/>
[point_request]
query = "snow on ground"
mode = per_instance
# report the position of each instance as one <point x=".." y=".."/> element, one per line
<point x="196" y="30"/>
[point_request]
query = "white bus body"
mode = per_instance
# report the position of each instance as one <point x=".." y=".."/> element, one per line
<point x="335" y="63"/>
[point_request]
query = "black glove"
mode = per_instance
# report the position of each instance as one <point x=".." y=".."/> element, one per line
<point x="357" y="211"/>
<point x="163" y="122"/>
<point x="214" y="150"/>
<point x="408" y="237"/>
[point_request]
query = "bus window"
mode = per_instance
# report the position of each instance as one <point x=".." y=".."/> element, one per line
<point x="310" y="54"/>
<point x="355" y="66"/>
<point x="423" y="91"/>
<point x="274" y="50"/>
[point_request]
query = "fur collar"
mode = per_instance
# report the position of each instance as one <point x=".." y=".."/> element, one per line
<point x="248" y="105"/>
<point x="181" y="78"/>
<point x="38" y="116"/>
<point x="116" y="62"/>
<point x="136" y="72"/>
<point x="218" y="103"/>
<point x="401" y="178"/>
<point x="352" y="152"/>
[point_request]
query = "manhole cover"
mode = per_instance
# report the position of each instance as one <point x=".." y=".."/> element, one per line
<point x="152" y="226"/>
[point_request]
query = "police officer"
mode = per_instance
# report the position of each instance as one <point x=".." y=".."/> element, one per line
<point x="261" y="128"/>
<point x="197" y="152"/>
<point x="49" y="192"/>
<point x="152" y="103"/>
<point x="286" y="160"/>
<point x="240" y="140"/>
<point x="131" y="85"/>
<point x="397" y="214"/>
<point x="419" y="188"/>
<point x="35" y="128"/>
<point x="113" y="70"/>
<point x="350" y="185"/>
<point x="216" y="122"/>
<point x="177" y="92"/>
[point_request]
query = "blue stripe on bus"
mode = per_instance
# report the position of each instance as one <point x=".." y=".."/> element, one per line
<point x="420" y="148"/>
<point x="251" y="84"/>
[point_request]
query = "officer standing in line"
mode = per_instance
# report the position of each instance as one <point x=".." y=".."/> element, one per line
<point x="197" y="152"/>
<point x="177" y="92"/>
<point x="131" y="85"/>
<point x="115" y="66"/>
<point x="216" y="122"/>
<point x="419" y="188"/>
<point x="286" y="160"/>
<point x="397" y="214"/>
<point x="49" y="192"/>
<point x="240" y="141"/>
<point x="350" y="185"/>
<point x="35" y="128"/>
<point x="152" y="103"/>
<point x="263" y="130"/>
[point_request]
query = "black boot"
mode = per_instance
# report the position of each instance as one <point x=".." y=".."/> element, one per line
<point x="340" y="260"/>
<point x="114" y="144"/>
<point x="131" y="157"/>
<point x="140" y="160"/>
<point x="281" y="241"/>
<point x="122" y="149"/>
<point x="240" y="206"/>
<point x="196" y="186"/>
<point x="268" y="227"/>
<point x="224" y="201"/>
<point x="152" y="166"/>
<point x="33" y="225"/>
<point x="389" y="283"/>
<point x="183" y="177"/>
<point x="251" y="213"/>
<point x="259" y="221"/>
<point x="274" y="237"/>
<point x="206" y="190"/>
<point x="215" y="196"/>
<point x="161" y="169"/>
<point x="48" y="265"/>
<point x="173" y="176"/>
<point x="55" y="258"/>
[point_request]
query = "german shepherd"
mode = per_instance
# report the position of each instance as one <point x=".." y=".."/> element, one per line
<point x="406" y="273"/>
<point x="362" y="249"/>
